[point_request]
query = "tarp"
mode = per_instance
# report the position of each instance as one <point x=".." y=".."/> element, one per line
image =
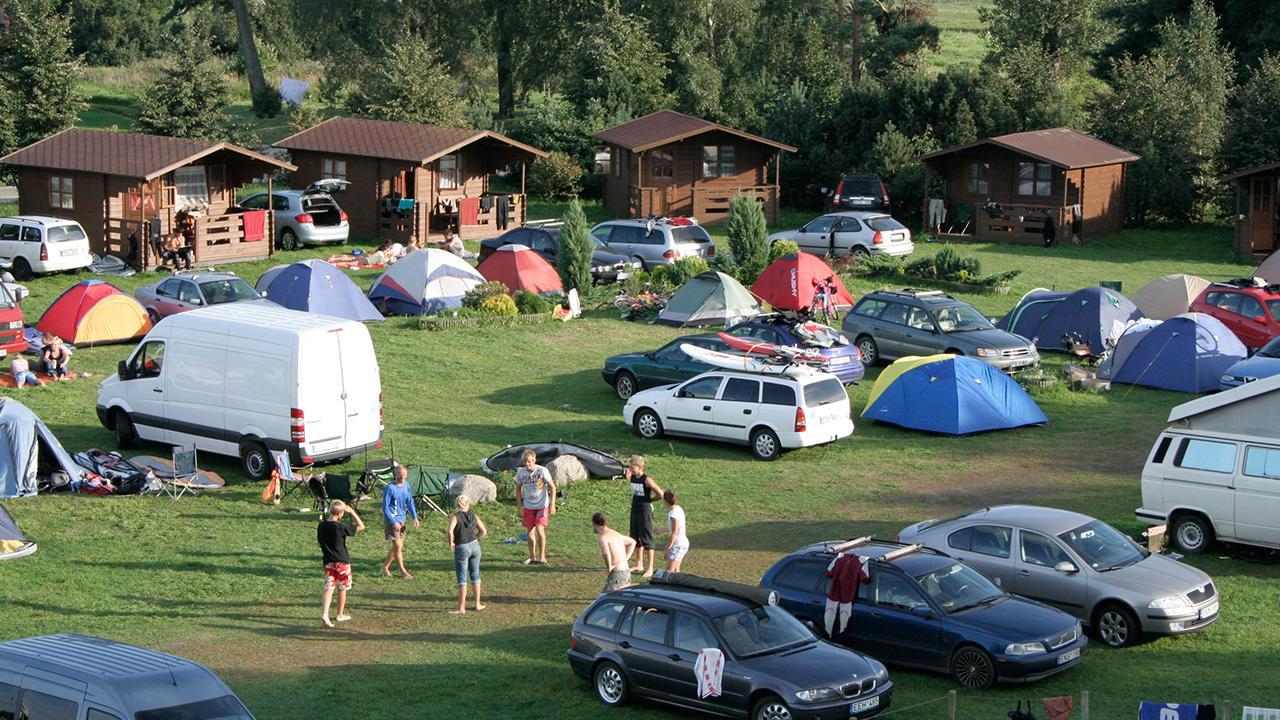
<point x="599" y="464"/>
<point x="520" y="268"/>
<point x="95" y="312"/>
<point x="1187" y="353"/>
<point x="318" y="287"/>
<point x="951" y="395"/>
<point x="789" y="282"/>
<point x="1096" y="314"/>
<point x="28" y="449"/>
<point x="13" y="544"/>
<point x="423" y="282"/>
<point x="1269" y="269"/>
<point x="1168" y="296"/>
<point x="711" y="298"/>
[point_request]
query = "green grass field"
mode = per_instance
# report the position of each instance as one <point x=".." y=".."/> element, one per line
<point x="233" y="583"/>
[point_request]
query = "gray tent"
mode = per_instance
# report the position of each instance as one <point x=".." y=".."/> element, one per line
<point x="13" y="544"/>
<point x="1269" y="269"/>
<point x="1249" y="409"/>
<point x="1168" y="296"/>
<point x="711" y="298"/>
<point x="28" y="451"/>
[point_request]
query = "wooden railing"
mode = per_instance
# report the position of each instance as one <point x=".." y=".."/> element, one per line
<point x="220" y="238"/>
<point x="711" y="204"/>
<point x="1022" y="223"/>
<point x="642" y="200"/>
<point x="486" y="219"/>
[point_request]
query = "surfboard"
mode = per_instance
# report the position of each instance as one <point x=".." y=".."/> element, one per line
<point x="746" y="363"/>
<point x="785" y="352"/>
<point x="163" y="468"/>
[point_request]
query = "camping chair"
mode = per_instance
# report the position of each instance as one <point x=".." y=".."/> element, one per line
<point x="184" y="473"/>
<point x="429" y="486"/>
<point x="290" y="482"/>
<point x="377" y="473"/>
<point x="962" y="217"/>
<point x="327" y="487"/>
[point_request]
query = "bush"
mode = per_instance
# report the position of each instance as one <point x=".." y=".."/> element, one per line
<point x="530" y="303"/>
<point x="555" y="177"/>
<point x="685" y="269"/>
<point x="499" y="305"/>
<point x="573" y="262"/>
<point x="949" y="265"/>
<point x="748" y="236"/>
<point x="781" y="249"/>
<point x="882" y="265"/>
<point x="660" y="277"/>
<point x="476" y="296"/>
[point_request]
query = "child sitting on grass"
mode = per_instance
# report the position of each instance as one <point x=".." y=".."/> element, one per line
<point x="56" y="358"/>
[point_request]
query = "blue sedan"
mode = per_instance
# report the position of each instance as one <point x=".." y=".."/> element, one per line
<point x="843" y="359"/>
<point x="923" y="609"/>
<point x="1263" y="364"/>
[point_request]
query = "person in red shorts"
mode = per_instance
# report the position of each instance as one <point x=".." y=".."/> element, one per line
<point x="536" y="497"/>
<point x="332" y="535"/>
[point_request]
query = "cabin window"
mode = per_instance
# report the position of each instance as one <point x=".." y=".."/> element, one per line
<point x="1035" y="179"/>
<point x="331" y="168"/>
<point x="978" y="178"/>
<point x="604" y="162"/>
<point x="617" y="162"/>
<point x="449" y="175"/>
<point x="718" y="161"/>
<point x="62" y="193"/>
<point x="660" y="164"/>
<point x="192" y="186"/>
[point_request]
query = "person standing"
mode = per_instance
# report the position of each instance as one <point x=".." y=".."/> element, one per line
<point x="397" y="508"/>
<point x="465" y="532"/>
<point x="536" y="499"/>
<point x="643" y="492"/>
<point x="678" y="544"/>
<point x="332" y="536"/>
<point x="616" y="549"/>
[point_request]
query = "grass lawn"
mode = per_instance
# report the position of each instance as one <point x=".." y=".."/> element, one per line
<point x="230" y="582"/>
<point x="961" y="36"/>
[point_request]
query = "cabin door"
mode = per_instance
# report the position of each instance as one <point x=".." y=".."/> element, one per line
<point x="1262" y="213"/>
<point x="660" y="165"/>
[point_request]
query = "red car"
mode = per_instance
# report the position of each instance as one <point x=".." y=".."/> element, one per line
<point x="11" y="322"/>
<point x="1252" y="313"/>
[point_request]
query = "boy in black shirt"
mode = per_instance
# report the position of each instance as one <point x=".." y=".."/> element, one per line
<point x="332" y="536"/>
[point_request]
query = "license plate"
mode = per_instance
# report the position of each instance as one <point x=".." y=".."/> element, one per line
<point x="871" y="702"/>
<point x="68" y="253"/>
<point x="1209" y="610"/>
<point x="839" y="360"/>
<point x="1068" y="657"/>
<point x="623" y="276"/>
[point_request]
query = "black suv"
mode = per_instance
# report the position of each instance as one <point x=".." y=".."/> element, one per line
<point x="643" y="641"/>
<point x="544" y="238"/>
<point x="859" y="191"/>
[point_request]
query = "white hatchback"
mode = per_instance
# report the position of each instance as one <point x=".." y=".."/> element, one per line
<point x="41" y="244"/>
<point x="769" y="413"/>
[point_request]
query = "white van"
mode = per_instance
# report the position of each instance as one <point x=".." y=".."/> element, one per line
<point x="1216" y="472"/>
<point x="242" y="379"/>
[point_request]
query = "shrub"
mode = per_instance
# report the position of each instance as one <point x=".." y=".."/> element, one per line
<point x="476" y="296"/>
<point x="881" y="265"/>
<point x="499" y="305"/>
<point x="660" y="277"/>
<point x="748" y="236"/>
<point x="573" y="262"/>
<point x="558" y="176"/>
<point x="685" y="269"/>
<point x="530" y="303"/>
<point x="781" y="249"/>
<point x="949" y="265"/>
<point x="304" y="117"/>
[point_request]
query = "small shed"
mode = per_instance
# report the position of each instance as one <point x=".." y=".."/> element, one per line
<point x="667" y="163"/>
<point x="415" y="181"/>
<point x="118" y="185"/>
<point x="1003" y="188"/>
<point x="1256" y="230"/>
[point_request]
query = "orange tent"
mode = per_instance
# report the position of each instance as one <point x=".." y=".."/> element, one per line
<point x="95" y="312"/>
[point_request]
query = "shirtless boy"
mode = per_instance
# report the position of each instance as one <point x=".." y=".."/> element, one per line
<point x="616" y="549"/>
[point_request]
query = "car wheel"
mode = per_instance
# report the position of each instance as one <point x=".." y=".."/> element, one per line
<point x="289" y="239"/>
<point x="647" y="425"/>
<point x="765" y="444"/>
<point x="1117" y="626"/>
<point x="255" y="461"/>
<point x="1192" y="533"/>
<point x="870" y="351"/>
<point x="625" y="385"/>
<point x="126" y="434"/>
<point x="611" y="684"/>
<point x="859" y="253"/>
<point x="972" y="668"/>
<point x="643" y="265"/>
<point x="771" y="708"/>
<point x="22" y="269"/>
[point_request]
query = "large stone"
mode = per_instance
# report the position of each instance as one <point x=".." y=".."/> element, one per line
<point x="567" y="469"/>
<point x="477" y="488"/>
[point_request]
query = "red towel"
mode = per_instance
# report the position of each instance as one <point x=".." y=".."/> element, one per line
<point x="255" y="225"/>
<point x="1058" y="708"/>
<point x="469" y="211"/>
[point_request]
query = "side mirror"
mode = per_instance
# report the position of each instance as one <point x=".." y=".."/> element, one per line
<point x="1066" y="567"/>
<point x="682" y="394"/>
<point x="196" y="301"/>
<point x="824" y="190"/>
<point x="1260" y="319"/>
<point x="20" y="292"/>
<point x="122" y="370"/>
<point x="923" y="611"/>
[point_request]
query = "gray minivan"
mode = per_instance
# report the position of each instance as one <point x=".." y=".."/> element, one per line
<point x="80" y="677"/>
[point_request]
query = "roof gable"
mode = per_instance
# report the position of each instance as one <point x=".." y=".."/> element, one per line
<point x="410" y="142"/>
<point x="668" y="126"/>
<point x="1059" y="146"/>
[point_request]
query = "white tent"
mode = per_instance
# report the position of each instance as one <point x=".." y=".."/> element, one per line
<point x="1168" y="296"/>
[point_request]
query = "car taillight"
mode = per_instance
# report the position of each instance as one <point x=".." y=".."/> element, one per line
<point x="800" y="421"/>
<point x="381" y="425"/>
<point x="342" y="214"/>
<point x="711" y="251"/>
<point x="884" y="192"/>
<point x="304" y="218"/>
<point x="671" y="255"/>
<point x="857" y="354"/>
<point x="877" y="239"/>
<point x="573" y="641"/>
<point x="44" y="251"/>
<point x="297" y="432"/>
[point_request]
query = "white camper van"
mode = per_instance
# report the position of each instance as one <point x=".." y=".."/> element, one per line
<point x="241" y="379"/>
<point x="1215" y="472"/>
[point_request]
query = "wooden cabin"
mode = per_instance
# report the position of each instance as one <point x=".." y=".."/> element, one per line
<point x="120" y="186"/>
<point x="1256" y="229"/>
<point x="668" y="164"/>
<point x="409" y="180"/>
<point x="1003" y="188"/>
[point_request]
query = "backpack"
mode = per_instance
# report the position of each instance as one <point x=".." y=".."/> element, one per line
<point x="1018" y="714"/>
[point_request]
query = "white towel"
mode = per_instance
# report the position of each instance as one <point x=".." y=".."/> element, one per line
<point x="292" y="90"/>
<point x="709" y="668"/>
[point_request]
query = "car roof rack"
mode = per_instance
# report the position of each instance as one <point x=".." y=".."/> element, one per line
<point x="1250" y="283"/>
<point x="848" y="545"/>
<point x="193" y="272"/>
<point x="888" y="556"/>
<point x="918" y="293"/>
<point x="750" y="593"/>
<point x="542" y="223"/>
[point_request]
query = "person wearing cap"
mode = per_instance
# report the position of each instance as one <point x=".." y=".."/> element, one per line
<point x="397" y="508"/>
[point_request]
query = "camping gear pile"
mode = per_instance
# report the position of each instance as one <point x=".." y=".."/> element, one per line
<point x="599" y="464"/>
<point x="318" y="287"/>
<point x="711" y="298"/>
<point x="93" y="312"/>
<point x="424" y="282"/>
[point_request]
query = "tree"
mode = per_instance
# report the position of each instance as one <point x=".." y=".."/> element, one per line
<point x="619" y="65"/>
<point x="189" y="98"/>
<point x="265" y="99"/>
<point x="408" y="82"/>
<point x="41" y="71"/>
<point x="573" y="259"/>
<point x="117" y="32"/>
<point x="895" y="157"/>
<point x="1252" y="136"/>
<point x="748" y="236"/>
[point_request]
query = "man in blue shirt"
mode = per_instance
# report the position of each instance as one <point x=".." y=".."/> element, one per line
<point x="397" y="508"/>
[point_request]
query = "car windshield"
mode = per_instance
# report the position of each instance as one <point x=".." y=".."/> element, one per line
<point x="6" y="298"/>
<point x="226" y="707"/>
<point x="689" y="233"/>
<point x="824" y="392"/>
<point x="959" y="587"/>
<point x="861" y="186"/>
<point x="63" y="233"/>
<point x="961" y="318"/>
<point x="761" y="630"/>
<point x="1271" y="349"/>
<point x="884" y="224"/>
<point x="1102" y="546"/>
<point x="228" y="290"/>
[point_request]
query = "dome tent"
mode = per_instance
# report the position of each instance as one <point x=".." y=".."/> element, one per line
<point x="318" y="287"/>
<point x="423" y="282"/>
<point x="1187" y="353"/>
<point x="13" y="544"/>
<point x="520" y="268"/>
<point x="711" y="298"/>
<point x="1168" y="296"/>
<point x="28" y="451"/>
<point x="1269" y="268"/>
<point x="1098" y="315"/>
<point x="94" y="312"/>
<point x="789" y="283"/>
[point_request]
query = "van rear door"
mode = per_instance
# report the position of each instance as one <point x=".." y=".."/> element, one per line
<point x="362" y="384"/>
<point x="322" y="394"/>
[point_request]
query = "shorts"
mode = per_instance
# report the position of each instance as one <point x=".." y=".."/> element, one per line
<point x="390" y="532"/>
<point x="466" y="562"/>
<point x="616" y="579"/>
<point x="534" y="516"/>
<point x="676" y="552"/>
<point x="642" y="527"/>
<point x="337" y="575"/>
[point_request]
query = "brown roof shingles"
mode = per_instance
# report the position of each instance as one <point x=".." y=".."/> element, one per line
<point x="1059" y="146"/>
<point x="388" y="139"/>
<point x="667" y="126"/>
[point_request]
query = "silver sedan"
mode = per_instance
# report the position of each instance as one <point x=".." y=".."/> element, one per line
<point x="1079" y="564"/>
<point x="852" y="232"/>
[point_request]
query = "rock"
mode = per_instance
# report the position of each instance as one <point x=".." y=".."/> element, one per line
<point x="477" y="488"/>
<point x="567" y="469"/>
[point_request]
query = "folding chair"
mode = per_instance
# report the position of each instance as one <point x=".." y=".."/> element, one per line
<point x="377" y="473"/>
<point x="428" y="485"/>
<point x="327" y="487"/>
<point x="290" y="482"/>
<point x="184" y="473"/>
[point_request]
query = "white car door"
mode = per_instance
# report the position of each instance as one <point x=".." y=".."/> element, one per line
<point x="815" y="236"/>
<point x="691" y="408"/>
<point x="145" y="391"/>
<point x="738" y="409"/>
<point x="1258" y="496"/>
<point x="847" y="233"/>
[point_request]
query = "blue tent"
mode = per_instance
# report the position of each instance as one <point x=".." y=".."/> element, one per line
<point x="1187" y="352"/>
<point x="1096" y="314"/>
<point x="28" y="450"/>
<point x="318" y="287"/>
<point x="951" y="395"/>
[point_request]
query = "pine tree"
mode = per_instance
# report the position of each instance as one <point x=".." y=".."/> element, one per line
<point x="189" y="98"/>
<point x="41" y="70"/>
<point x="408" y="83"/>
<point x="573" y="257"/>
<point x="1253" y="138"/>
<point x="748" y="236"/>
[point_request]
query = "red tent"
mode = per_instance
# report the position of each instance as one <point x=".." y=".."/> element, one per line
<point x="93" y="311"/>
<point x="520" y="268"/>
<point x="791" y="281"/>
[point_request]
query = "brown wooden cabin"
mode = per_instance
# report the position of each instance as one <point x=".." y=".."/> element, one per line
<point x="668" y="164"/>
<point x="118" y="185"/>
<point x="409" y="180"/>
<point x="1073" y="178"/>
<point x="1257" y="231"/>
